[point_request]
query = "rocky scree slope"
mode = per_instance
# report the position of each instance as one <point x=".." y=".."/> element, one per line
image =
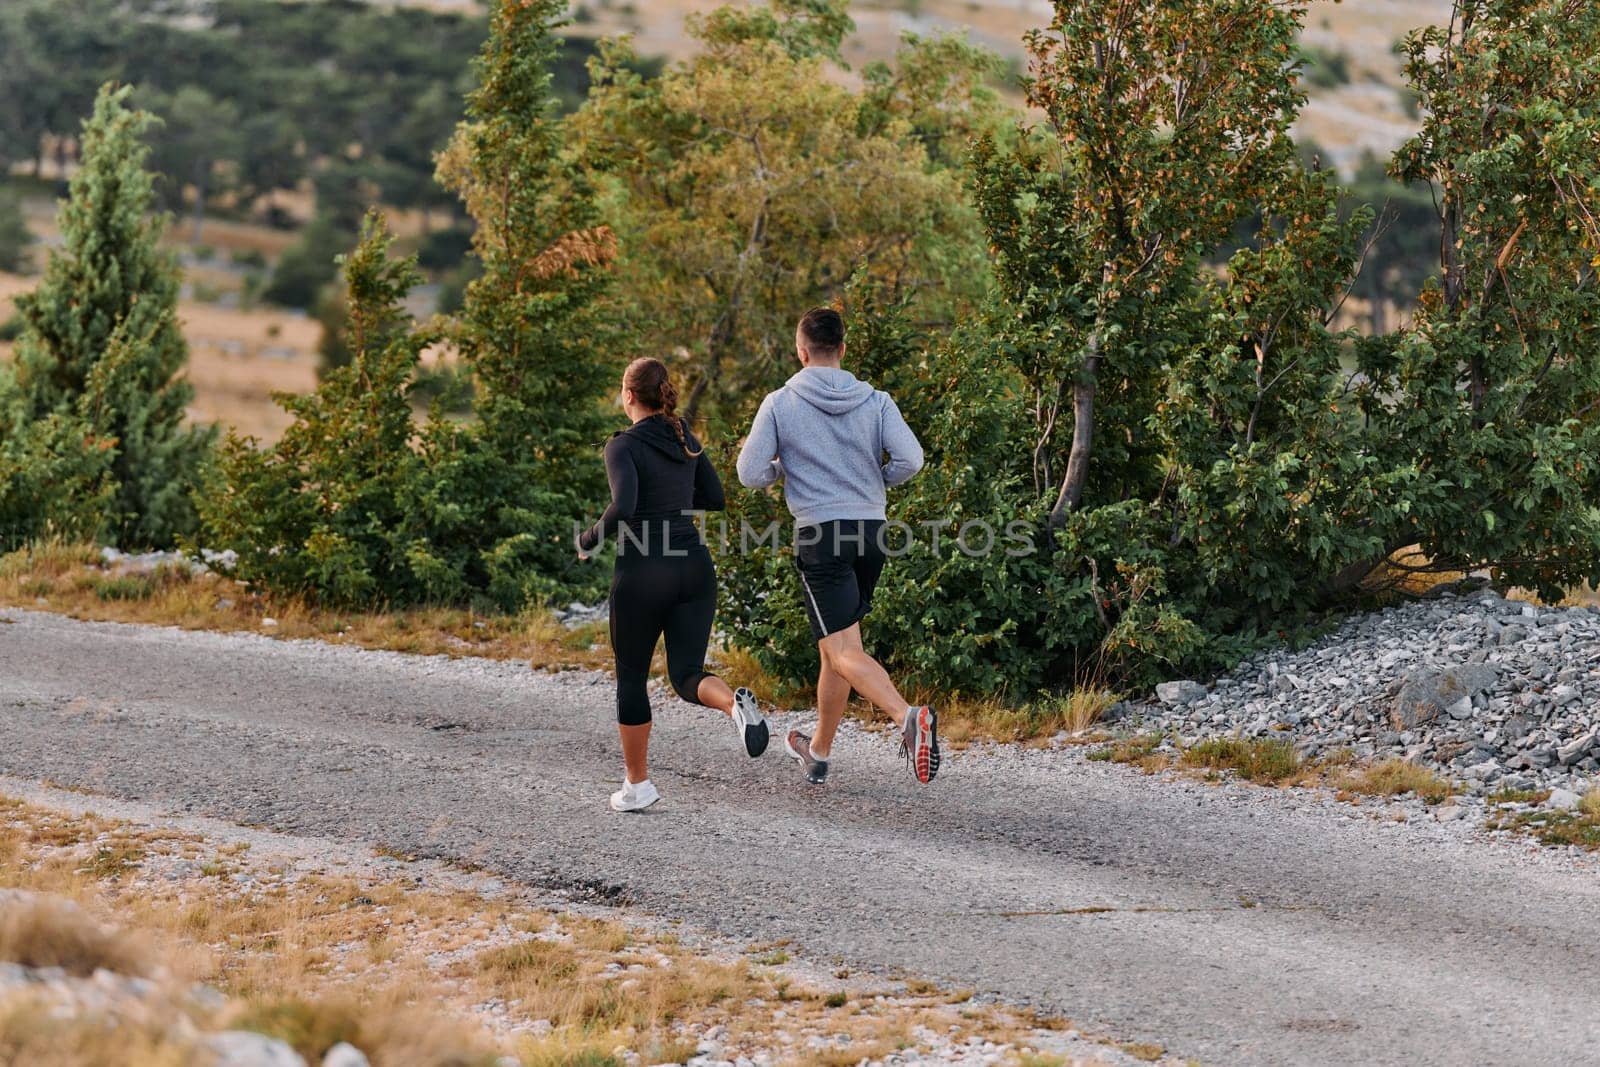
<point x="1493" y="693"/>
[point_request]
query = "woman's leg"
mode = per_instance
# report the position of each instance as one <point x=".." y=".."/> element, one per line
<point x="714" y="693"/>
<point x="636" y="752"/>
<point x="688" y="634"/>
<point x="635" y="628"/>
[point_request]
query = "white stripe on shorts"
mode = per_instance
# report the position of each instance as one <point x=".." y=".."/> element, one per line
<point x="822" y="624"/>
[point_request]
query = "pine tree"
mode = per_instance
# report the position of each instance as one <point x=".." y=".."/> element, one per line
<point x="14" y="235"/>
<point x="530" y="327"/>
<point x="110" y="281"/>
<point x="331" y="511"/>
<point x="528" y="324"/>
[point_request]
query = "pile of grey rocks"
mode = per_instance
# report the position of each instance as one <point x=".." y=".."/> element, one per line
<point x="113" y="558"/>
<point x="1493" y="693"/>
<point x="575" y="614"/>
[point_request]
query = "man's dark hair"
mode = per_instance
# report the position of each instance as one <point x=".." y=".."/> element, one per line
<point x="823" y="330"/>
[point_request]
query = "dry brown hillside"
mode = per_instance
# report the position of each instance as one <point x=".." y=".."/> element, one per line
<point x="1365" y="114"/>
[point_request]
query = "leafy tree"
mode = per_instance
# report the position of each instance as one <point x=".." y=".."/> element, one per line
<point x="14" y="235"/>
<point x="23" y="76"/>
<point x="55" y="472"/>
<point x="197" y="132"/>
<point x="749" y="183"/>
<point x="1165" y="127"/>
<point x="1235" y="465"/>
<point x="1160" y="401"/>
<point x="1403" y="250"/>
<point x="1494" y="393"/>
<point x="356" y="504"/>
<point x="307" y="269"/>
<point x="110" y="287"/>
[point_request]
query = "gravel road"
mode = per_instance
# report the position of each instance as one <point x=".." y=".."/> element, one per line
<point x="1231" y="925"/>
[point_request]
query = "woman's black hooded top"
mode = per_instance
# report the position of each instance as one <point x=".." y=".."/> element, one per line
<point x="655" y="488"/>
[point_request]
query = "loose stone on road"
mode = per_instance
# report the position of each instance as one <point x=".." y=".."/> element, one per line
<point x="1230" y="924"/>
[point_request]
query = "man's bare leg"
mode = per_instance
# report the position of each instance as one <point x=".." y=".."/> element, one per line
<point x="833" y="694"/>
<point x="843" y="655"/>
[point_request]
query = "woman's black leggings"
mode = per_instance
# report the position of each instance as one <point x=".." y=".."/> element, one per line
<point x="655" y="595"/>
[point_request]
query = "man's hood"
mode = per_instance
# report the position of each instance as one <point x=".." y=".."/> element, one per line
<point x="659" y="433"/>
<point x="831" y="390"/>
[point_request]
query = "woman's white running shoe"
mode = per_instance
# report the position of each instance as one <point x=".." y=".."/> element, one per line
<point x="751" y="723"/>
<point x="634" y="796"/>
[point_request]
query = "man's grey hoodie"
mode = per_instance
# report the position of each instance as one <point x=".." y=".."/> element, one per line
<point x="836" y="442"/>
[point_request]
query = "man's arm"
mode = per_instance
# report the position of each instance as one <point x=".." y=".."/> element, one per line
<point x="905" y="451"/>
<point x="758" y="459"/>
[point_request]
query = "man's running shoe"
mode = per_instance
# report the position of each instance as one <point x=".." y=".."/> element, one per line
<point x="751" y="723"/>
<point x="799" y="746"/>
<point x="919" y="741"/>
<point x="634" y="796"/>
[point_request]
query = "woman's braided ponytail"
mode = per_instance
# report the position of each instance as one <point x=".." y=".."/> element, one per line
<point x="650" y="383"/>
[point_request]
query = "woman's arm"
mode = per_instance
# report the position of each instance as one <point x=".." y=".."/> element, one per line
<point x="624" y="478"/>
<point x="708" y="494"/>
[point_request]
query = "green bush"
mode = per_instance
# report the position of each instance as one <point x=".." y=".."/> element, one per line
<point x="308" y="266"/>
<point x="1207" y="464"/>
<point x="1326" y="68"/>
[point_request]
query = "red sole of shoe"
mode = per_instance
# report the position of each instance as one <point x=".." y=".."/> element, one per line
<point x="924" y="757"/>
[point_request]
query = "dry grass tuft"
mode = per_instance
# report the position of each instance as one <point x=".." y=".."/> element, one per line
<point x="1137" y="751"/>
<point x="32" y="1034"/>
<point x="1263" y="761"/>
<point x="1590" y="804"/>
<point x="1394" y="777"/>
<point x="49" y="932"/>
<point x="1143" y="1050"/>
<point x="387" y="1024"/>
<point x="1579" y="827"/>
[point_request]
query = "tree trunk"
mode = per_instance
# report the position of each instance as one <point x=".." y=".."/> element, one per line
<point x="1083" y="391"/>
<point x="1349" y="578"/>
<point x="199" y="204"/>
<point x="691" y="408"/>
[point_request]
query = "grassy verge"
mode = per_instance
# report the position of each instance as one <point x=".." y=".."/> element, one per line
<point x="1579" y="827"/>
<point x="416" y="965"/>
<point x="70" y="580"/>
<point x="1274" y="762"/>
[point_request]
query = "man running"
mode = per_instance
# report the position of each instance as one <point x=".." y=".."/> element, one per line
<point x="837" y="443"/>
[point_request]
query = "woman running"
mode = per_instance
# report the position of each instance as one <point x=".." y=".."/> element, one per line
<point x="664" y="582"/>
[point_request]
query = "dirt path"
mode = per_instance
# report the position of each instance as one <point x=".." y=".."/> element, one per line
<point x="1231" y="925"/>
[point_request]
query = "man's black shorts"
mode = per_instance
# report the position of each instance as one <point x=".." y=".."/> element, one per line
<point x="839" y="564"/>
